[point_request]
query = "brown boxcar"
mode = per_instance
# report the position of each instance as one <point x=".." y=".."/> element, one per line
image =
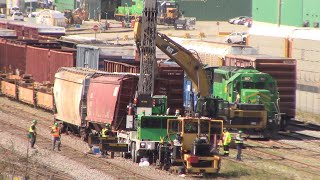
<point x="3" y="53"/>
<point x="58" y="59"/>
<point x="108" y="97"/>
<point x="169" y="82"/>
<point x="16" y="57"/>
<point x="26" y="94"/>
<point x="37" y="63"/>
<point x="283" y="70"/>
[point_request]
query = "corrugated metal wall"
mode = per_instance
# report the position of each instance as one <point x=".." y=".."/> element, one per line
<point x="215" y="9"/>
<point x="94" y="9"/>
<point x="265" y="11"/>
<point x="87" y="56"/>
<point x="65" y="4"/>
<point x="293" y="12"/>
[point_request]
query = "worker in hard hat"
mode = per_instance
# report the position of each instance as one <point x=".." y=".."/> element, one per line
<point x="105" y="132"/>
<point x="226" y="141"/>
<point x="56" y="136"/>
<point x="239" y="143"/>
<point x="32" y="133"/>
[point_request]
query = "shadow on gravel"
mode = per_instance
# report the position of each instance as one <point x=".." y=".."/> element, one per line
<point x="229" y="175"/>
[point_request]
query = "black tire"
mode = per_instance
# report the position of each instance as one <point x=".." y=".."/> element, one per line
<point x="244" y="40"/>
<point x="229" y="41"/>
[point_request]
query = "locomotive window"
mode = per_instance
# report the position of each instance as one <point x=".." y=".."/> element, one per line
<point x="260" y="85"/>
<point x="247" y="85"/>
<point x="191" y="127"/>
<point x="218" y="78"/>
<point x="174" y="126"/>
<point x="271" y="87"/>
<point x="164" y="123"/>
<point x="204" y="127"/>
<point x="151" y="123"/>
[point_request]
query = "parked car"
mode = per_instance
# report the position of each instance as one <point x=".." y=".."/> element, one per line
<point x="248" y="22"/>
<point x="3" y="16"/>
<point x="237" y="38"/>
<point x="237" y="19"/>
<point x="17" y="16"/>
<point x="14" y="9"/>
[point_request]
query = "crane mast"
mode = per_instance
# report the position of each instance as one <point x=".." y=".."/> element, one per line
<point x="147" y="48"/>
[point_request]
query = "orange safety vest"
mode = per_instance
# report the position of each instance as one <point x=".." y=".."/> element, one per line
<point x="55" y="132"/>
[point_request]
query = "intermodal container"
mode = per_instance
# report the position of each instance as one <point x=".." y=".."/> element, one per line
<point x="283" y="70"/>
<point x="108" y="97"/>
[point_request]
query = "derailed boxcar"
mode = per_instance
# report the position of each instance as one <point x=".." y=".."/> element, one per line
<point x="68" y="93"/>
<point x="108" y="97"/>
<point x="86" y="99"/>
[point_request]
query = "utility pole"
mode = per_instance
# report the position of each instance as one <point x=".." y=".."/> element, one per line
<point x="279" y="12"/>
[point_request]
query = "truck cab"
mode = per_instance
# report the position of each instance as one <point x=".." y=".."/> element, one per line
<point x="146" y="126"/>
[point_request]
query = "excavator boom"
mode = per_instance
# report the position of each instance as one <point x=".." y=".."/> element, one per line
<point x="184" y="58"/>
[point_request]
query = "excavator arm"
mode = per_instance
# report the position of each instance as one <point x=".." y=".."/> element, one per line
<point x="183" y="57"/>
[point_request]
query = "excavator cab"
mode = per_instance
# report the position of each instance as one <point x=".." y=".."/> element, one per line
<point x="212" y="107"/>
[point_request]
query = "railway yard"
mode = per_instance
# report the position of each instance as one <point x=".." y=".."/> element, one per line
<point x="291" y="154"/>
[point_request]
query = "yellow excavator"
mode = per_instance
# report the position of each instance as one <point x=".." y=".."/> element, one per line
<point x="198" y="135"/>
<point x="198" y="152"/>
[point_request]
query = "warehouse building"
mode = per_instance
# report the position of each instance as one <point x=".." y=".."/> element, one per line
<point x="215" y="10"/>
<point x="298" y="13"/>
<point x="97" y="8"/>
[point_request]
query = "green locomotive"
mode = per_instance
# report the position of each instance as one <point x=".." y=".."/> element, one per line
<point x="249" y="89"/>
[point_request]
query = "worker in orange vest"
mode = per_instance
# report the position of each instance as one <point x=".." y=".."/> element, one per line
<point x="56" y="135"/>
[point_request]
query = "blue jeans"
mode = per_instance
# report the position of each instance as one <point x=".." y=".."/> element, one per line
<point x="239" y="149"/>
<point x="54" y="141"/>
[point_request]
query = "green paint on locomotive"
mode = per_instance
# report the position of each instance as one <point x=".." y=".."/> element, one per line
<point x="253" y="86"/>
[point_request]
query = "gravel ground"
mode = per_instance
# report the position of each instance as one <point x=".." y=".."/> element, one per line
<point x="54" y="159"/>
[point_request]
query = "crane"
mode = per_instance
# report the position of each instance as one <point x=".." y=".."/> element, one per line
<point x="147" y="47"/>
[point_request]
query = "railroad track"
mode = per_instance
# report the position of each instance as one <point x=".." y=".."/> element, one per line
<point x="90" y="161"/>
<point x="292" y="163"/>
<point x="37" y="172"/>
<point x="304" y="125"/>
<point x="301" y="137"/>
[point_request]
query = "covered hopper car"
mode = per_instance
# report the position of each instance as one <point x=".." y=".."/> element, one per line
<point x="87" y="99"/>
